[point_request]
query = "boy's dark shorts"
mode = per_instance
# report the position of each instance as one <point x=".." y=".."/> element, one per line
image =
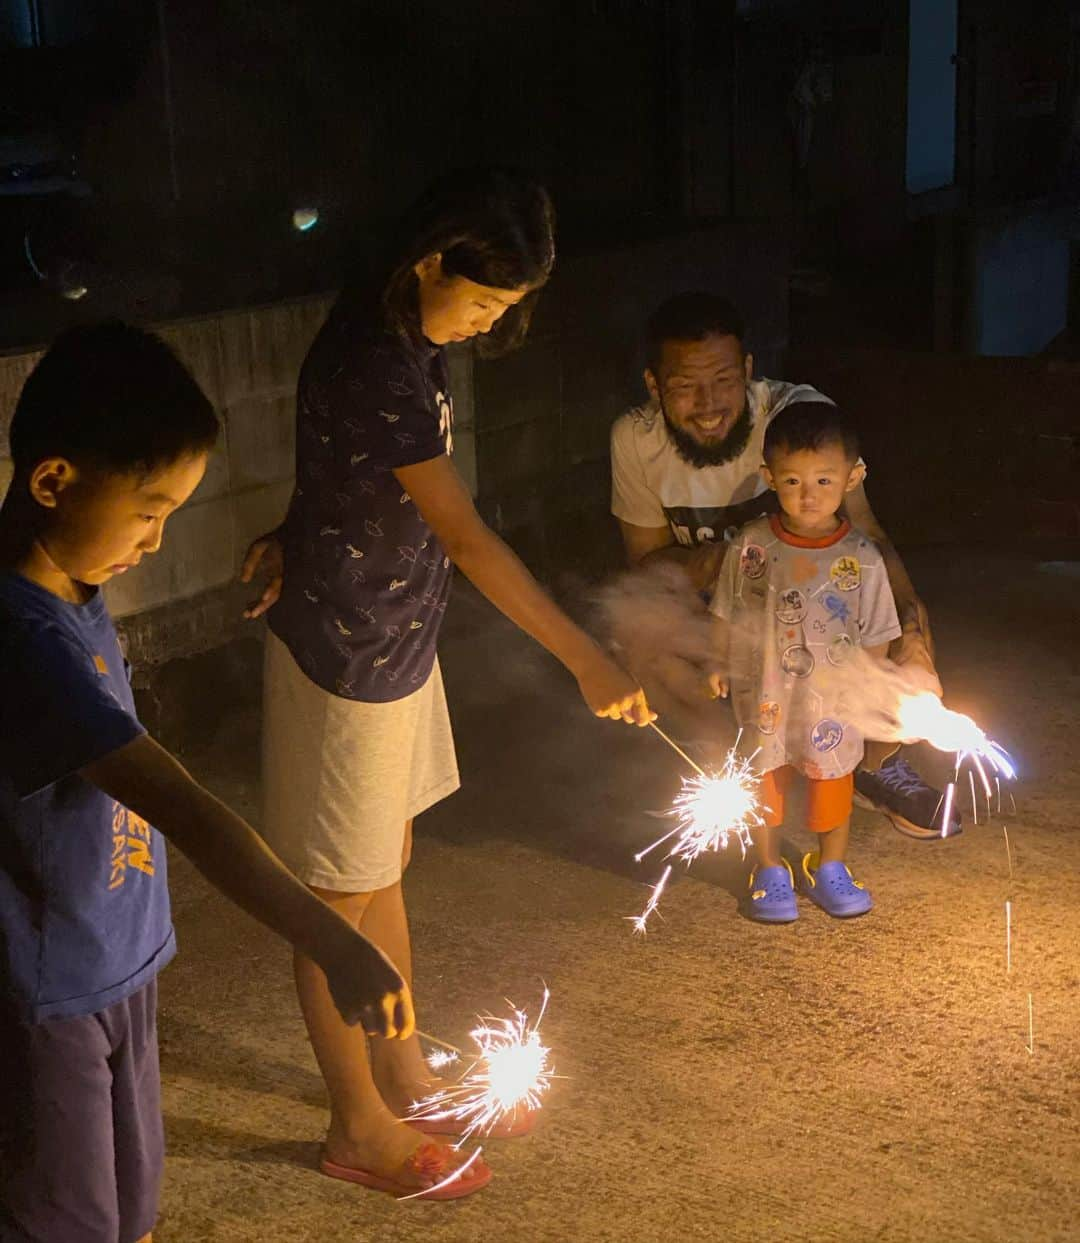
<point x="81" y="1138"/>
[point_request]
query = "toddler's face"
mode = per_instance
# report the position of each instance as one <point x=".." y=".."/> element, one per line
<point x="810" y="485"/>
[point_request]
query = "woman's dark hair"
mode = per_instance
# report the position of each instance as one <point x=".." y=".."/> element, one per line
<point x="811" y="425"/>
<point x="113" y="397"/>
<point x="691" y="317"/>
<point x="493" y="226"/>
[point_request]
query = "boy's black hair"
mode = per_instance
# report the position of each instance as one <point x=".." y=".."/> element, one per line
<point x="811" y="425"/>
<point x="112" y="397"/>
<point x="691" y="317"/>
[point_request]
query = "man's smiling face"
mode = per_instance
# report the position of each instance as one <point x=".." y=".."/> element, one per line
<point x="701" y="389"/>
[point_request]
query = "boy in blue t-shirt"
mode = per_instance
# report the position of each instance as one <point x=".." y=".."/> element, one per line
<point x="110" y="436"/>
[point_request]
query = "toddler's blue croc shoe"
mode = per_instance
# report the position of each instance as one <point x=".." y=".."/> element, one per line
<point x="772" y="895"/>
<point x="833" y="888"/>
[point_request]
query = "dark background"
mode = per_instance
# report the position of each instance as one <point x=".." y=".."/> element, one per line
<point x="152" y="153"/>
<point x="187" y="131"/>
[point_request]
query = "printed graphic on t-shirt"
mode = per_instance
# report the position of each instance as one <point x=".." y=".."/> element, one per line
<point x="132" y="846"/>
<point x="694" y="525"/>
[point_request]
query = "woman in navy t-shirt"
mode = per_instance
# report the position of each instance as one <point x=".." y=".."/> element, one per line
<point x="357" y="738"/>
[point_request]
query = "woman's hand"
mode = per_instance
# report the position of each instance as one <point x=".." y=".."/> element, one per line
<point x="611" y="692"/>
<point x="267" y="555"/>
<point x="368" y="990"/>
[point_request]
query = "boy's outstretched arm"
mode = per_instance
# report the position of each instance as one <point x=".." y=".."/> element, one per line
<point x="145" y="778"/>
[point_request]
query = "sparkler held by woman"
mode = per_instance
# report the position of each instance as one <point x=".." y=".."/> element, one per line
<point x="500" y="1092"/>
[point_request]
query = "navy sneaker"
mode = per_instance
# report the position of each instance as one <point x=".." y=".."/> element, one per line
<point x="833" y="888"/>
<point x="898" y="792"/>
<point x="772" y="895"/>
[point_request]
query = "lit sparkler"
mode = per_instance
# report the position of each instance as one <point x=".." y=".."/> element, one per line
<point x="711" y="809"/>
<point x="925" y="716"/>
<point x="510" y="1073"/>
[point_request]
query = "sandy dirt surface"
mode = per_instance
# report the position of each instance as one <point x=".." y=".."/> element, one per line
<point x="821" y="1081"/>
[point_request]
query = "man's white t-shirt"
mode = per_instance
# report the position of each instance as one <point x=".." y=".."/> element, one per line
<point x="653" y="486"/>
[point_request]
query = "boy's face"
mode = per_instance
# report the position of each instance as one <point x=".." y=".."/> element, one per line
<point x="810" y="485"/>
<point x="100" y="524"/>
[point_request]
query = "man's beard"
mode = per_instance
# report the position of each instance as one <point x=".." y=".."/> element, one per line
<point x="726" y="450"/>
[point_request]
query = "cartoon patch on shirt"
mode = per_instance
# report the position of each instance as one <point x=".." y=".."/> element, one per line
<point x="846" y="573"/>
<point x="791" y="606"/>
<point x="798" y="661"/>
<point x="768" y="716"/>
<point x="752" y="561"/>
<point x="840" y="649"/>
<point x="826" y="735"/>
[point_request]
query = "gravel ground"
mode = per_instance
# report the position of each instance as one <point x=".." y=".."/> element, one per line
<point x="821" y="1081"/>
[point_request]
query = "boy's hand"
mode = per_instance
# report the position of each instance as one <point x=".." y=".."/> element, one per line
<point x="611" y="692"/>
<point x="266" y="554"/>
<point x="368" y="990"/>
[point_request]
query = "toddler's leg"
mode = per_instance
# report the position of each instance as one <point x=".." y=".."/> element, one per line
<point x="772" y="892"/>
<point x="826" y="879"/>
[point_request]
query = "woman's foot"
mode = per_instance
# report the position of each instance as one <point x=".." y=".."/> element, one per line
<point x="394" y="1151"/>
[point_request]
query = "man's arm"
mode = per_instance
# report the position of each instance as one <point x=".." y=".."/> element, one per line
<point x="649" y="545"/>
<point x="144" y="777"/>
<point x="915" y="647"/>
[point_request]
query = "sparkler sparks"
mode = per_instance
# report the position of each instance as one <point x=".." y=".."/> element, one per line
<point x="439" y="1059"/>
<point x="711" y="809"/>
<point x="511" y="1072"/>
<point x="639" y="921"/>
<point x="925" y="716"/>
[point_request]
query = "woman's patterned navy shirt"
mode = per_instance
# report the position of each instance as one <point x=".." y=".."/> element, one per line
<point x="366" y="579"/>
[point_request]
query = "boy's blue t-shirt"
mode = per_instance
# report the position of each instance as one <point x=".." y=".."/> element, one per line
<point x="84" y="904"/>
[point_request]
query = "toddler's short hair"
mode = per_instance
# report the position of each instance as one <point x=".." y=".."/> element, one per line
<point x="811" y="425"/>
<point x="113" y="397"/>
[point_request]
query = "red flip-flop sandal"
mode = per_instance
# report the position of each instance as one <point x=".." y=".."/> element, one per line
<point x="428" y="1159"/>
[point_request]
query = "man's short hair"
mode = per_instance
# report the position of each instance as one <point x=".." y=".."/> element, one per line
<point x="691" y="317"/>
<point x="811" y="425"/>
<point x="112" y="397"/>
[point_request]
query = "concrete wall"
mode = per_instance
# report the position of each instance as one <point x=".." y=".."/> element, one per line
<point x="185" y="599"/>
